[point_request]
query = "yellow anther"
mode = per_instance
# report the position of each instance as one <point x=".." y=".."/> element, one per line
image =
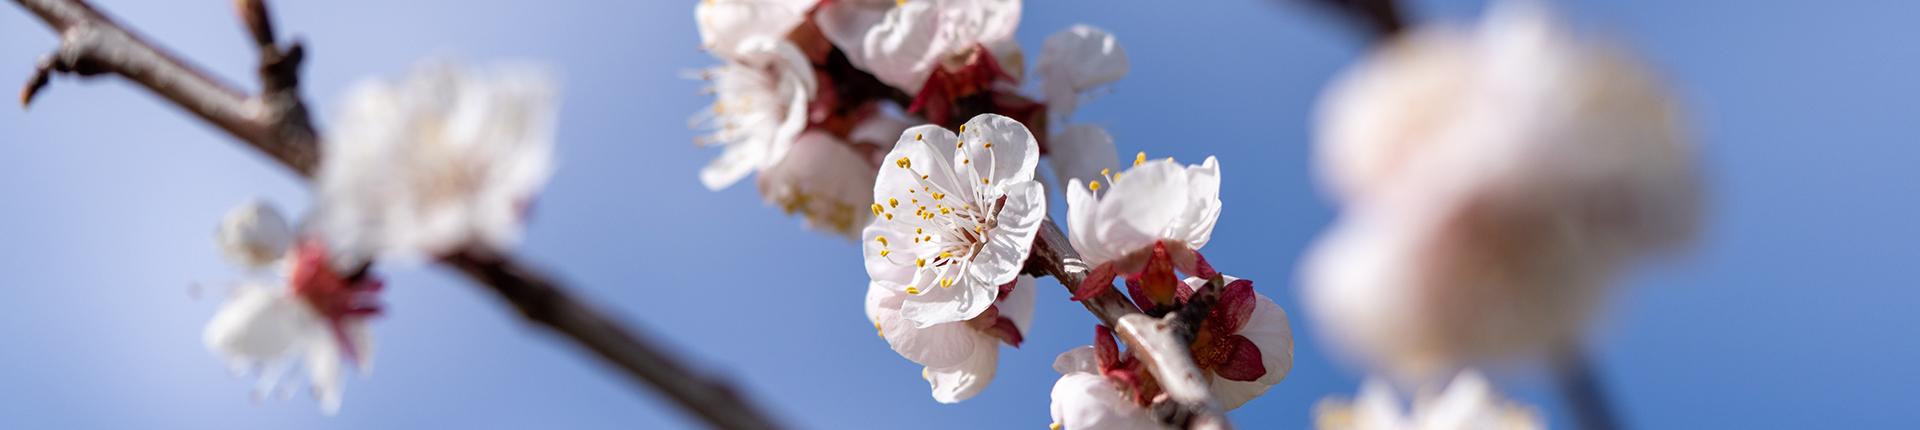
<point x="904" y="163"/>
<point x="966" y="161"/>
<point x="877" y="208"/>
<point x="893" y="202"/>
<point x="963" y="128"/>
<point x="1140" y="158"/>
<point x="913" y="291"/>
<point x="944" y="211"/>
<point x="884" y="252"/>
<point x="1095" y="185"/>
<point x="938" y="196"/>
<point x="960" y="144"/>
<point x="919" y="262"/>
<point x="946" y="255"/>
<point x="1106" y="172"/>
<point x="889" y="217"/>
<point x="916" y="136"/>
<point x="988" y="145"/>
<point x="1053" y="426"/>
<point x="881" y="239"/>
<point x="944" y="283"/>
<point x="923" y="177"/>
<point x="917" y="230"/>
<point x="984" y="181"/>
<point x="877" y="329"/>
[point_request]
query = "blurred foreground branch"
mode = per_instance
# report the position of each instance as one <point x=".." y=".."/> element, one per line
<point x="276" y="122"/>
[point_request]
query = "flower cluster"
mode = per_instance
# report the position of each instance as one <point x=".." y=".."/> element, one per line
<point x="955" y="219"/>
<point x="810" y="93"/>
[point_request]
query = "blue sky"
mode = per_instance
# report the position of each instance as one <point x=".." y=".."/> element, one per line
<point x="1795" y="310"/>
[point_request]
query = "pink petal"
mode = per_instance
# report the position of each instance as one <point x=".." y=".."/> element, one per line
<point x="1004" y="329"/>
<point x="1097" y="282"/>
<point x="1105" y="352"/>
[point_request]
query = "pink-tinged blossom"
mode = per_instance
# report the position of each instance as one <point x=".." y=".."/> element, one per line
<point x="1150" y="221"/>
<point x="317" y="322"/>
<point x="1467" y="403"/>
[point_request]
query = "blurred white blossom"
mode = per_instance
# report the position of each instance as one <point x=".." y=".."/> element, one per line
<point x="254" y="235"/>
<point x="902" y="42"/>
<point x="449" y="157"/>
<point x="1468" y="403"/>
<point x="1075" y="61"/>
<point x="1494" y="180"/>
<point x="760" y="107"/>
<point x="955" y="216"/>
<point x="960" y="357"/>
<point x="316" y="323"/>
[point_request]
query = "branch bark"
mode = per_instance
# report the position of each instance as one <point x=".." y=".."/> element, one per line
<point x="276" y="122"/>
<point x="1164" y="344"/>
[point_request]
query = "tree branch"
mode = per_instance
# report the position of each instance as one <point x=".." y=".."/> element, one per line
<point x="276" y="122"/>
<point x="1163" y="344"/>
<point x="1382" y="17"/>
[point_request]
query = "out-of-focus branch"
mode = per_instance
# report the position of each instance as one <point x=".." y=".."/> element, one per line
<point x="1163" y="344"/>
<point x="276" y="122"/>
<point x="1382" y="17"/>
<point x="1580" y="386"/>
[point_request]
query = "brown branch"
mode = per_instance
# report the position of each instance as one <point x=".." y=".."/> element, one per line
<point x="276" y="122"/>
<point x="1163" y="344"/>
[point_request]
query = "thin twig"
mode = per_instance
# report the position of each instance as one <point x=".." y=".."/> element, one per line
<point x="276" y="122"/>
<point x="1381" y="17"/>
<point x="1163" y="344"/>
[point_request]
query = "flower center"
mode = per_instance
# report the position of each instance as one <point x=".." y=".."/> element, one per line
<point x="950" y="221"/>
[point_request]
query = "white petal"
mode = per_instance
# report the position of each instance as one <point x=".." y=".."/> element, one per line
<point x="1011" y="159"/>
<point x="1085" y="401"/>
<point x="938" y="345"/>
<point x="1080" y="152"/>
<point x="936" y="305"/>
<point x="1009" y="243"/>
<point x="1195" y="226"/>
<point x="963" y="380"/>
<point x="905" y="46"/>
<point x="1076" y="60"/>
<point x="323" y="371"/>
<point x="258" y="325"/>
<point x="1017" y="305"/>
<point x="724" y="24"/>
<point x="1082" y="210"/>
<point x="1080" y="359"/>
<point x="824" y="180"/>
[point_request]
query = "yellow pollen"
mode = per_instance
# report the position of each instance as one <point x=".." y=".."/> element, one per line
<point x="1140" y="158"/>
<point x="960" y="144"/>
<point x="920" y="262"/>
<point x="944" y="283"/>
<point x="881" y="239"/>
<point x="963" y="128"/>
<point x="904" y="163"/>
<point x="938" y="196"/>
<point x="1116" y="177"/>
<point x="877" y="329"/>
<point x="916" y="136"/>
<point x="923" y="177"/>
<point x="889" y="217"/>
<point x="917" y="230"/>
<point x="1106" y="172"/>
<point x="988" y="145"/>
<point x="1095" y="185"/>
<point x="979" y="229"/>
<point x="893" y="202"/>
<point x="944" y="211"/>
<point x="944" y="254"/>
<point x="884" y="252"/>
<point x="1053" y="426"/>
<point x="877" y="208"/>
<point x="965" y="161"/>
<point x="984" y="180"/>
<point x="913" y="291"/>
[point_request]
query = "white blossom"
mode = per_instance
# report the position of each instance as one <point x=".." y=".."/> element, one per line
<point x="955" y="216"/>
<point x="1075" y="61"/>
<point x="903" y="41"/>
<point x="1154" y="201"/>
<point x="1081" y="151"/>
<point x="1494" y="180"/>
<point x="824" y="179"/>
<point x="728" y="27"/>
<point x="317" y="322"/>
<point x="1084" y="399"/>
<point x="759" y="109"/>
<point x="1468" y="403"/>
<point x="960" y="357"/>
<point x="448" y="157"/>
<point x="254" y="235"/>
